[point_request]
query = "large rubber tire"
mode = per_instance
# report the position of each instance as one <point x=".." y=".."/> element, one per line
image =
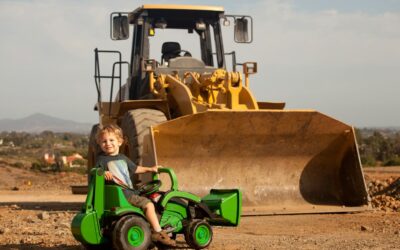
<point x="94" y="149"/>
<point x="198" y="234"/>
<point x="131" y="233"/>
<point x="135" y="125"/>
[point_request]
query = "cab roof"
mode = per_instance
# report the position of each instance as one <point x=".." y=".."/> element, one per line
<point x="178" y="7"/>
<point x="177" y="16"/>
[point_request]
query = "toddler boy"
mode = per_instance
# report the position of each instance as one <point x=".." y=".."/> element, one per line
<point x="120" y="167"/>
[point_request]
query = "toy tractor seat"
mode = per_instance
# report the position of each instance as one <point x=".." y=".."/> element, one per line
<point x="115" y="197"/>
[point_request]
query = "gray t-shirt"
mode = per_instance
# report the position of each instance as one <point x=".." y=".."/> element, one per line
<point x="119" y="165"/>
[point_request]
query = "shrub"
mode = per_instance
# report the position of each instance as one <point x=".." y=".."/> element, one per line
<point x="368" y="160"/>
<point x="394" y="161"/>
<point x="37" y="166"/>
<point x="18" y="164"/>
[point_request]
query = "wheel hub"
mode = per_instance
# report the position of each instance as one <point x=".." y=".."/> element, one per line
<point x="202" y="235"/>
<point x="135" y="236"/>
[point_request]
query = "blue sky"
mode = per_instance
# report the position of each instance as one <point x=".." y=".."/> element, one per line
<point x="339" y="57"/>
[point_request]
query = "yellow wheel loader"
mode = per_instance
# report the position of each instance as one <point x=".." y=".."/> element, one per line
<point x="181" y="107"/>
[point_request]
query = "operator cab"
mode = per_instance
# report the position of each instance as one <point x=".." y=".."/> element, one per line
<point x="197" y="28"/>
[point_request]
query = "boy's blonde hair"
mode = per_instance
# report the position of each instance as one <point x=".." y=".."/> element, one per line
<point x="109" y="129"/>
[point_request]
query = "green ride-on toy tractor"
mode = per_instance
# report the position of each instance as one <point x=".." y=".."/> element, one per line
<point x="108" y="220"/>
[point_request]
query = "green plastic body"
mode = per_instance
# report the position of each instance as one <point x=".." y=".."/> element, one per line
<point x="226" y="204"/>
<point x="174" y="212"/>
<point x="108" y="203"/>
<point x="102" y="201"/>
<point x="85" y="225"/>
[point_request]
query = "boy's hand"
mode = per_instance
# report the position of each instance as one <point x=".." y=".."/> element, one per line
<point x="155" y="169"/>
<point x="142" y="170"/>
<point x="108" y="176"/>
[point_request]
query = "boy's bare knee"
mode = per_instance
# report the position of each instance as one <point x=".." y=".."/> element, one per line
<point x="149" y="207"/>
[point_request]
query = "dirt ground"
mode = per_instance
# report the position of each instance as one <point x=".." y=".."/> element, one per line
<point x="32" y="217"/>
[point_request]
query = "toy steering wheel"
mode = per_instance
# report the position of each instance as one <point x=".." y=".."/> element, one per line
<point x="149" y="187"/>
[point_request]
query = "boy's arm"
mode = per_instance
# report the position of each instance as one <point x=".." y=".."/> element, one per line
<point x="100" y="163"/>
<point x="142" y="170"/>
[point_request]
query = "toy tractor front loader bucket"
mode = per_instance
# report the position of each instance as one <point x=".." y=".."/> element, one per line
<point x="226" y="204"/>
<point x="283" y="161"/>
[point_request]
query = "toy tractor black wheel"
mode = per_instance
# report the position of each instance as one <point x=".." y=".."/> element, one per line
<point x="198" y="234"/>
<point x="131" y="233"/>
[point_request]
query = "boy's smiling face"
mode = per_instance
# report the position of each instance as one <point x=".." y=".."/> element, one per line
<point x="110" y="143"/>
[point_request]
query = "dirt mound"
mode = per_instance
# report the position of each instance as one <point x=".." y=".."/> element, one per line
<point x="385" y="194"/>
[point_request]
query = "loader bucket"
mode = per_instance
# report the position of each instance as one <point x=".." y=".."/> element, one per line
<point x="85" y="228"/>
<point x="226" y="204"/>
<point x="283" y="161"/>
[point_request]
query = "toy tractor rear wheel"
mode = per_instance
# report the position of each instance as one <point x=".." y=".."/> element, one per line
<point x="131" y="233"/>
<point x="198" y="234"/>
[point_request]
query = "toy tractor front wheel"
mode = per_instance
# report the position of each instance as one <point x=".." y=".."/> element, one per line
<point x="198" y="234"/>
<point x="131" y="232"/>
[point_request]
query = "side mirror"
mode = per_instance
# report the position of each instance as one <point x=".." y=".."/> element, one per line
<point x="242" y="34"/>
<point x="119" y="29"/>
<point x="243" y="27"/>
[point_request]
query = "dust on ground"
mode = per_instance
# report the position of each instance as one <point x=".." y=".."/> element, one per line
<point x="46" y="225"/>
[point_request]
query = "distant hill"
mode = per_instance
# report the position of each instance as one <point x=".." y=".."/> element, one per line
<point x="38" y="123"/>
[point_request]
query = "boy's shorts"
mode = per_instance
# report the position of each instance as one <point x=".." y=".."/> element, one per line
<point x="136" y="200"/>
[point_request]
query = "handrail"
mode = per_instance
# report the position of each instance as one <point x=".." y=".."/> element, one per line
<point x="233" y="54"/>
<point x="112" y="83"/>
<point x="98" y="76"/>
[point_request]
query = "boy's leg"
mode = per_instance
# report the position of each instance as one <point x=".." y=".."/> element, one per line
<point x="149" y="210"/>
<point x="151" y="216"/>
<point x="159" y="235"/>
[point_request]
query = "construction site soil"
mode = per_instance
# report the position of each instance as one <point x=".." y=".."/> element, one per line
<point x="36" y="210"/>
